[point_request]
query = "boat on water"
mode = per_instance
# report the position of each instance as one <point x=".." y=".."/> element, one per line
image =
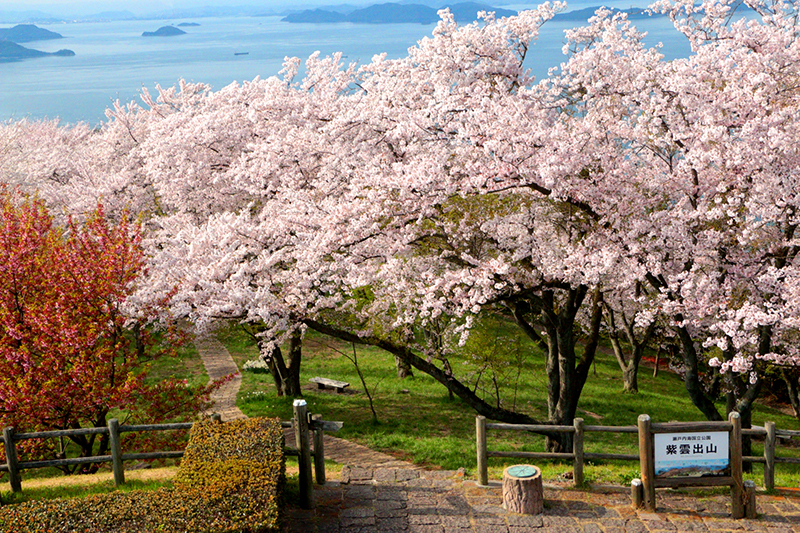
<point x="241" y="53"/>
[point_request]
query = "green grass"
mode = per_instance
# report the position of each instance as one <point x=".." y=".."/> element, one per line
<point x="419" y="422"/>
<point x="185" y="364"/>
<point x="81" y="490"/>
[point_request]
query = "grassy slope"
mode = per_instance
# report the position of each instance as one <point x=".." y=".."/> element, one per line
<point x="425" y="426"/>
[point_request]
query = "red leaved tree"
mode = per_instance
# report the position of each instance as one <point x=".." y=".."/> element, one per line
<point x="69" y="353"/>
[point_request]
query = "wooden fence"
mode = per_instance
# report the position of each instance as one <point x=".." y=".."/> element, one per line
<point x="578" y="456"/>
<point x="306" y="428"/>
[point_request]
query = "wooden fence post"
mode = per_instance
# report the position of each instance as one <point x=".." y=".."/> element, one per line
<point x="116" y="452"/>
<point x="637" y="493"/>
<point x="737" y="489"/>
<point x="14" y="478"/>
<point x="769" y="456"/>
<point x="300" y="422"/>
<point x="750" y="498"/>
<point x="577" y="450"/>
<point x="319" y="452"/>
<point x="647" y="462"/>
<point x="480" y="442"/>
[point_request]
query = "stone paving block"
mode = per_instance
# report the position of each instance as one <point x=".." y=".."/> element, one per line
<point x="391" y="513"/>
<point x="358" y="512"/>
<point x="453" y="504"/>
<point x="419" y="483"/>
<point x="605" y="512"/>
<point x="391" y="524"/>
<point x="592" y="528"/>
<point x="357" y="521"/>
<point x="384" y="475"/>
<point x="353" y="474"/>
<point x="488" y="510"/>
<point x="526" y="529"/>
<point x="558" y="521"/>
<point x="723" y="524"/>
<point x="417" y="507"/>
<point x="455" y="521"/>
<point x="635" y="526"/>
<point x="360" y="492"/>
<point x="391" y="492"/>
<point x="418" y="499"/>
<point x="689" y="525"/>
<point x="390" y="504"/>
<point x="612" y="522"/>
<point x="425" y="528"/>
<point x="424" y="518"/>
<point x="527" y="520"/>
<point x="406" y="474"/>
<point x="489" y="520"/>
<point x="490" y="528"/>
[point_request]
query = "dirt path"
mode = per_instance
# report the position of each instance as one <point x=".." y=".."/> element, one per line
<point x="219" y="363"/>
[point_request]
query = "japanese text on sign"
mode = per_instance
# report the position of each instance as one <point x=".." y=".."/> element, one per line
<point x="691" y="454"/>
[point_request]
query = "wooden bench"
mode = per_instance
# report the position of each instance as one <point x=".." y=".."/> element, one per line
<point x="324" y="383"/>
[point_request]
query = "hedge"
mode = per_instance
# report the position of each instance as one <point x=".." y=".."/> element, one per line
<point x="230" y="481"/>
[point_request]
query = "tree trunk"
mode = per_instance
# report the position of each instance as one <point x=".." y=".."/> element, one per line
<point x="403" y="369"/>
<point x="630" y="378"/>
<point x="273" y="357"/>
<point x="567" y="375"/>
<point x="793" y="390"/>
<point x="285" y="374"/>
<point x="691" y="376"/>
<point x="292" y="383"/>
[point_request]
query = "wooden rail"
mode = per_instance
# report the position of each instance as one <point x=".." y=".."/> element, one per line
<point x="308" y="429"/>
<point x="578" y="456"/>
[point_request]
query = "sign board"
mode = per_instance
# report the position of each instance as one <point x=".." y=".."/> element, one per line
<point x="695" y="454"/>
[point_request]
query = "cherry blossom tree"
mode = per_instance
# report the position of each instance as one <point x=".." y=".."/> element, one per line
<point x="70" y="349"/>
<point x="703" y="150"/>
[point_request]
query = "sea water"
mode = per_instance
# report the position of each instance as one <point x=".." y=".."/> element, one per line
<point x="114" y="62"/>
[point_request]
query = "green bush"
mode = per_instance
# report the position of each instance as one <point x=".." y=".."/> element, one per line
<point x="230" y="480"/>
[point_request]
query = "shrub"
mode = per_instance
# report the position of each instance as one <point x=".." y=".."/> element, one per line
<point x="256" y="366"/>
<point x="230" y="481"/>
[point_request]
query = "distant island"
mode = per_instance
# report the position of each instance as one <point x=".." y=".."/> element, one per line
<point x="164" y="31"/>
<point x="16" y="52"/>
<point x="463" y="12"/>
<point x="25" y="33"/>
<point x="187" y="24"/>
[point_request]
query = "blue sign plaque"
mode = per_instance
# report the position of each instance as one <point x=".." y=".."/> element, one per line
<point x="523" y="471"/>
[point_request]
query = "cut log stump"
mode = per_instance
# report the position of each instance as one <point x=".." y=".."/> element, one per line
<point x="522" y="489"/>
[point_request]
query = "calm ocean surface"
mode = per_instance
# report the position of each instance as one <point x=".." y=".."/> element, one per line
<point x="113" y="61"/>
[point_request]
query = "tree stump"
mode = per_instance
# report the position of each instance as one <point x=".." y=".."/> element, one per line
<point x="522" y="489"/>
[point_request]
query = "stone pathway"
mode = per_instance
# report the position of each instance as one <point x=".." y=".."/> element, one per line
<point x="219" y="363"/>
<point x="418" y="501"/>
<point x="350" y="453"/>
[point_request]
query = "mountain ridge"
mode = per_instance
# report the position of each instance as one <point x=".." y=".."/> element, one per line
<point x="394" y="13"/>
